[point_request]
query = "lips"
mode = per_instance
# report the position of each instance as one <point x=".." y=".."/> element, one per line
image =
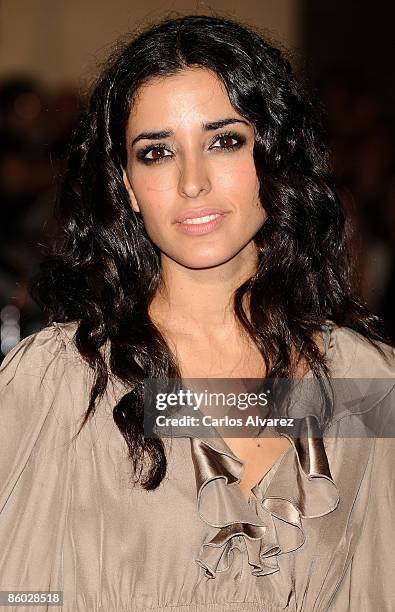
<point x="201" y="212"/>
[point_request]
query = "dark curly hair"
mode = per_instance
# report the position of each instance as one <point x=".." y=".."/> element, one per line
<point x="103" y="270"/>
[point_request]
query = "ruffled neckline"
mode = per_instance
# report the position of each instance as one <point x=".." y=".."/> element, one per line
<point x="270" y="523"/>
<point x="299" y="485"/>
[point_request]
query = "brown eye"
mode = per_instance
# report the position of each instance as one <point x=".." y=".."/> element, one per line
<point x="227" y="140"/>
<point x="157" y="154"/>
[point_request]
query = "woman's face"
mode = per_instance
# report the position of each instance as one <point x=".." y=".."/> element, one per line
<point x="190" y="154"/>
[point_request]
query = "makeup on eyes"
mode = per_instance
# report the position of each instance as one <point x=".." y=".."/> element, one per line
<point x="240" y="141"/>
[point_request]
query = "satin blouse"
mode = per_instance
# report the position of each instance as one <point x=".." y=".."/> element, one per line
<point x="317" y="533"/>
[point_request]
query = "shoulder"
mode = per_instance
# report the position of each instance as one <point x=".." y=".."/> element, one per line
<point x="45" y="373"/>
<point x="351" y="355"/>
<point x="44" y="385"/>
<point x="43" y="392"/>
<point x="42" y="354"/>
<point x="362" y="385"/>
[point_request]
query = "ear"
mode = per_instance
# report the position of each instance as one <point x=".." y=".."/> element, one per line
<point x="130" y="191"/>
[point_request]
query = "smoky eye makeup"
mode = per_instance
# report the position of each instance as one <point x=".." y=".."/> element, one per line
<point x="235" y="141"/>
<point x="239" y="138"/>
<point x="142" y="154"/>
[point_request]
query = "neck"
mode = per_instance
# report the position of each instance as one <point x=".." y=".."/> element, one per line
<point x="201" y="300"/>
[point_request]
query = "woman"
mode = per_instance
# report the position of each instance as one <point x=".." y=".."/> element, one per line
<point x="202" y="237"/>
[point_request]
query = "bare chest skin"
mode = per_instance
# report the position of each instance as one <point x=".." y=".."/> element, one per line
<point x="258" y="457"/>
<point x="231" y="360"/>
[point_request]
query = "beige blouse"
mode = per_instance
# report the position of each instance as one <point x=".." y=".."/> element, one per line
<point x="317" y="534"/>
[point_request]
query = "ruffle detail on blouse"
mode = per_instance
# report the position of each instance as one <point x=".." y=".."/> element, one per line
<point x="271" y="524"/>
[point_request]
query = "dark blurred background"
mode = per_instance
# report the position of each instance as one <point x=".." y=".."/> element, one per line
<point x="49" y="52"/>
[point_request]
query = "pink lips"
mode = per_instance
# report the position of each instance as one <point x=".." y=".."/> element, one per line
<point x="202" y="212"/>
<point x="199" y="229"/>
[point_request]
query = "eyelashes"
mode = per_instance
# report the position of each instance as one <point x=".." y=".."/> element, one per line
<point x="142" y="154"/>
<point x="240" y="141"/>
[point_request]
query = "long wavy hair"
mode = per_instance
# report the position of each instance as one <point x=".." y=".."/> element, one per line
<point x="103" y="270"/>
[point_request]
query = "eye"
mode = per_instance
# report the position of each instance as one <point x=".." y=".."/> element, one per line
<point x="228" y="137"/>
<point x="150" y="154"/>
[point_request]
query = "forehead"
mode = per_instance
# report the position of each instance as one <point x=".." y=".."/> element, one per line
<point x="190" y="95"/>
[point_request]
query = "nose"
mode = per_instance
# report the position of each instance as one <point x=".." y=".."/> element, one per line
<point x="193" y="180"/>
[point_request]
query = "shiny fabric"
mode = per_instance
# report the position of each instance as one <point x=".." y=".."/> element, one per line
<point x="317" y="533"/>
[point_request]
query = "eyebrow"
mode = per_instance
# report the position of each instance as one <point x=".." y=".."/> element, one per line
<point x="212" y="125"/>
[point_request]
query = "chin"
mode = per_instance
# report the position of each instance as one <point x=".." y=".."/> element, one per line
<point x="199" y="263"/>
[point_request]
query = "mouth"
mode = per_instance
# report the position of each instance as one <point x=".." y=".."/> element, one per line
<point x="199" y="220"/>
<point x="199" y="213"/>
<point x="201" y="225"/>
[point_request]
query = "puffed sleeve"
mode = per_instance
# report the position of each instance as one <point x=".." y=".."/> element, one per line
<point x="368" y="583"/>
<point x="38" y="418"/>
<point x="369" y="580"/>
<point x="31" y="376"/>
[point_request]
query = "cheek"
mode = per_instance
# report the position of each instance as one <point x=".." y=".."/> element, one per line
<point x="148" y="192"/>
<point x="153" y="211"/>
<point x="154" y="208"/>
<point x="149" y="181"/>
<point x="241" y="184"/>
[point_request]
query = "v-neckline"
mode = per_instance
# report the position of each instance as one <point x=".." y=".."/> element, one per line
<point x="223" y="447"/>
